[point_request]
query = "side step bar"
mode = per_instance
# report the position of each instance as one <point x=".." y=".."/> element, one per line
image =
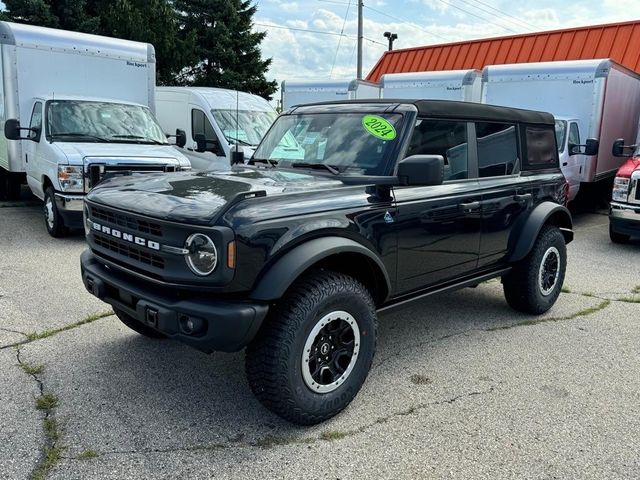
<point x="401" y="301"/>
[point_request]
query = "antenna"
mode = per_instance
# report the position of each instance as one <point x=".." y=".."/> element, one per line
<point x="237" y="118"/>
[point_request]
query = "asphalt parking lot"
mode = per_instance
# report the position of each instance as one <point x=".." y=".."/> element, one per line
<point x="461" y="387"/>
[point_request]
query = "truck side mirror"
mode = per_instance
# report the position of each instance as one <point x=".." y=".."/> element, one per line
<point x="237" y="155"/>
<point x="181" y="138"/>
<point x="591" y="147"/>
<point x="618" y="148"/>
<point x="421" y="170"/>
<point x="201" y="142"/>
<point x="12" y="129"/>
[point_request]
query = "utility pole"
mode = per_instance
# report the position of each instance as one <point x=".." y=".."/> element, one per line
<point x="360" y="5"/>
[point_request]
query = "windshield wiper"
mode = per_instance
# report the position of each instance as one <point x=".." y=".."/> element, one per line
<point x="243" y="142"/>
<point x="268" y="161"/>
<point x="78" y="134"/>
<point x="332" y="169"/>
<point x="138" y="137"/>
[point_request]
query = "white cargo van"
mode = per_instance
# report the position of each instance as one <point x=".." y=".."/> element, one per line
<point x="460" y="85"/>
<point x="591" y="99"/>
<point x="75" y="108"/>
<point x="301" y="92"/>
<point x="215" y="120"/>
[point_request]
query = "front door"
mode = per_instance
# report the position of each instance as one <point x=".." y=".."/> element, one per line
<point x="32" y="162"/>
<point x="213" y="158"/>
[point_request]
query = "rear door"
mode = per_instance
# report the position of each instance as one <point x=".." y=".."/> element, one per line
<point x="438" y="227"/>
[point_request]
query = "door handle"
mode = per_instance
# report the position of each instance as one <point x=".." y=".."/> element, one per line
<point x="565" y="164"/>
<point x="470" y="206"/>
<point x="522" y="198"/>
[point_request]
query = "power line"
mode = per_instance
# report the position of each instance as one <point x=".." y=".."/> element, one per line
<point x="519" y="23"/>
<point x="322" y="32"/>
<point x="413" y="25"/>
<point x="477" y="16"/>
<point x="335" y="57"/>
<point x="531" y="25"/>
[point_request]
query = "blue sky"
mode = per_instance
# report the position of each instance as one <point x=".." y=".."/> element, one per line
<point x="301" y="54"/>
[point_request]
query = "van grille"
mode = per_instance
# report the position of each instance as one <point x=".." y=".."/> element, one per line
<point x="123" y="220"/>
<point x="129" y="251"/>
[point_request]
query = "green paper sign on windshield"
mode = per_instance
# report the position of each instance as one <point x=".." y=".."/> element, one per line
<point x="378" y="127"/>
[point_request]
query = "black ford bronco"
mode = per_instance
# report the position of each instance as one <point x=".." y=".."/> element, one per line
<point x="345" y="210"/>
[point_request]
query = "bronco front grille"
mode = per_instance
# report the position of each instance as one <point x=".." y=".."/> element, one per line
<point x="126" y="221"/>
<point x="129" y="251"/>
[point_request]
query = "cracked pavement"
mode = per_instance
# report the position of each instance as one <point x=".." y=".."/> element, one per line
<point x="461" y="386"/>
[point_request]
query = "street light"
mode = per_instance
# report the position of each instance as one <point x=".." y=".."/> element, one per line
<point x="391" y="37"/>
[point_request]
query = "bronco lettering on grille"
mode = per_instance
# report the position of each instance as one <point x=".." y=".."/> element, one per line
<point x="125" y="236"/>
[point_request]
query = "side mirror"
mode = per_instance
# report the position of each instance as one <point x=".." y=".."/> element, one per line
<point x="618" y="148"/>
<point x="181" y="138"/>
<point x="237" y="155"/>
<point x="421" y="170"/>
<point x="12" y="129"/>
<point x="591" y="147"/>
<point x="201" y="142"/>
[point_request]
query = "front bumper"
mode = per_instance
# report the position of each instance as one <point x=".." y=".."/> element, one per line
<point x="625" y="218"/>
<point x="226" y="326"/>
<point x="70" y="208"/>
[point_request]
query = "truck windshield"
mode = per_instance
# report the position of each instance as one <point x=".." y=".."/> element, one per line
<point x="245" y="126"/>
<point x="561" y="131"/>
<point x="92" y="121"/>
<point x="343" y="141"/>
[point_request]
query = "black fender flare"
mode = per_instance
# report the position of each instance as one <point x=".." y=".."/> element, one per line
<point x="292" y="264"/>
<point x="526" y="235"/>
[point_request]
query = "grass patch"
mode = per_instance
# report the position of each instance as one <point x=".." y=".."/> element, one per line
<point x="47" y="402"/>
<point x="54" y="331"/>
<point x="31" y="369"/>
<point x="630" y="299"/>
<point x="333" y="435"/>
<point x="565" y="289"/>
<point x="52" y="456"/>
<point x="636" y="289"/>
<point x="88" y="454"/>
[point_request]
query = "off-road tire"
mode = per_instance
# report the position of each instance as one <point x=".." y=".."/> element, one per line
<point x="522" y="286"/>
<point x="274" y="360"/>
<point x="138" y="327"/>
<point x="52" y="218"/>
<point x="618" y="237"/>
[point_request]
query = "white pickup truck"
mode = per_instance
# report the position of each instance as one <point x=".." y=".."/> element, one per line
<point x="76" y="108"/>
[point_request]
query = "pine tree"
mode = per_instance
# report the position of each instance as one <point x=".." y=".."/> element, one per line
<point x="227" y="53"/>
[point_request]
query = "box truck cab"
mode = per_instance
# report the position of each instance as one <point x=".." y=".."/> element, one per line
<point x="462" y="85"/>
<point x="624" y="209"/>
<point x="76" y="108"/>
<point x="301" y="92"/>
<point x="215" y="120"/>
<point x="595" y="102"/>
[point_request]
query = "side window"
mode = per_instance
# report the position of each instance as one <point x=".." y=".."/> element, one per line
<point x="446" y="138"/>
<point x="36" y="121"/>
<point x="574" y="134"/>
<point x="497" y="149"/>
<point x="541" y="148"/>
<point x="201" y="124"/>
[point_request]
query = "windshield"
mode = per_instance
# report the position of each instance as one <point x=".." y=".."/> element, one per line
<point x="345" y="141"/>
<point x="561" y="131"/>
<point x="71" y="120"/>
<point x="246" y="126"/>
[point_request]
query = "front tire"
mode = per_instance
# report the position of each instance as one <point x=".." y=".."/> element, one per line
<point x="138" y="327"/>
<point x="314" y="352"/>
<point x="52" y="218"/>
<point x="618" y="237"/>
<point x="534" y="284"/>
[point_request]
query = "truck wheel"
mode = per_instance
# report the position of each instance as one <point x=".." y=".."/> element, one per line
<point x="52" y="218"/>
<point x="618" y="237"/>
<point x="533" y="285"/>
<point x="314" y="352"/>
<point x="138" y="327"/>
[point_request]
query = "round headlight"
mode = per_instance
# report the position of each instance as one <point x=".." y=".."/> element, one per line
<point x="203" y="256"/>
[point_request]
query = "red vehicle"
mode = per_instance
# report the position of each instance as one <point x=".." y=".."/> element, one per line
<point x="624" y="210"/>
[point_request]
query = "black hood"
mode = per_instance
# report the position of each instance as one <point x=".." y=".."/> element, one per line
<point x="198" y="197"/>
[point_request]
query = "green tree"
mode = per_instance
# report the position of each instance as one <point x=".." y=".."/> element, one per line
<point x="227" y="52"/>
<point x="65" y="14"/>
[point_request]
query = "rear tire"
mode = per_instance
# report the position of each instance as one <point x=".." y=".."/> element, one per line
<point x="52" y="218"/>
<point x="315" y="350"/>
<point x="618" y="237"/>
<point x="534" y="284"/>
<point x="138" y="327"/>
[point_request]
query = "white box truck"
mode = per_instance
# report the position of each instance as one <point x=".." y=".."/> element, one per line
<point x="591" y="99"/>
<point x="301" y="92"/>
<point x="75" y="108"/>
<point x="215" y="121"/>
<point x="460" y="85"/>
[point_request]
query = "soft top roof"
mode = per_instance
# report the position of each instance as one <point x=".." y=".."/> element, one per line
<point x="438" y="109"/>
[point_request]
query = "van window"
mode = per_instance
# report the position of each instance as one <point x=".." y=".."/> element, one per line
<point x="36" y="121"/>
<point x="201" y="124"/>
<point x="442" y="137"/>
<point x="497" y="149"/>
<point x="574" y="134"/>
<point x="541" y="148"/>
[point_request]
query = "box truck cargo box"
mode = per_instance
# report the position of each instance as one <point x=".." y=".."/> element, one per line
<point x="299" y="93"/>
<point x="215" y="120"/>
<point x="75" y="108"/>
<point x="462" y="85"/>
<point x="596" y="99"/>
